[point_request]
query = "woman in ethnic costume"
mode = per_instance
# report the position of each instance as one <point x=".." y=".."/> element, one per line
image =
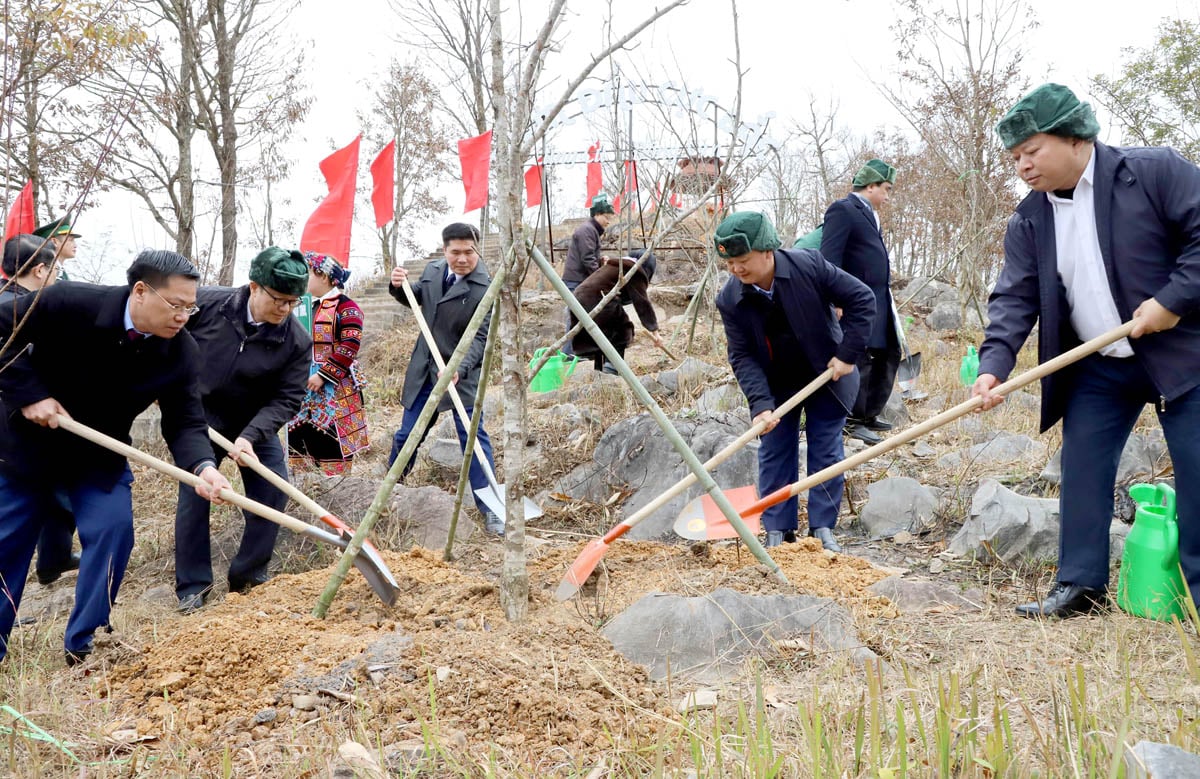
<point x="331" y="426"/>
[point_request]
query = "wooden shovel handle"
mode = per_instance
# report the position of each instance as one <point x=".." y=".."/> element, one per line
<point x="191" y="479"/>
<point x="724" y="454"/>
<point x="282" y="484"/>
<point x="966" y="407"/>
<point x="419" y="315"/>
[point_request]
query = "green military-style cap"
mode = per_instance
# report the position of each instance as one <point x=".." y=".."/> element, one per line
<point x="875" y="172"/>
<point x="58" y="227"/>
<point x="282" y="270"/>
<point x="1051" y="108"/>
<point x="743" y="232"/>
<point x="601" y="205"/>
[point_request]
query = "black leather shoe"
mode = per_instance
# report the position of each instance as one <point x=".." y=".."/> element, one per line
<point x="190" y="604"/>
<point x="239" y="584"/>
<point x="50" y="577"/>
<point x="76" y="656"/>
<point x="875" y="423"/>
<point x="1064" y="600"/>
<point x="862" y="433"/>
<point x="825" y="536"/>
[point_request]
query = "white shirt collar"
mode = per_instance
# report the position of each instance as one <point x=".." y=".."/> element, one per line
<point x="250" y="316"/>
<point x="129" y="321"/>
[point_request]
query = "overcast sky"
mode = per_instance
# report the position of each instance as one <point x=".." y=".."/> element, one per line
<point x="834" y="50"/>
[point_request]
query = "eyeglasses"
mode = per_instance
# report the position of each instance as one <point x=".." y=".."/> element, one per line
<point x="288" y="303"/>
<point x="178" y="308"/>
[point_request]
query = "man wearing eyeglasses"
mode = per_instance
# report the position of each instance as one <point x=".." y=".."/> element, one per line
<point x="100" y="355"/>
<point x="254" y="365"/>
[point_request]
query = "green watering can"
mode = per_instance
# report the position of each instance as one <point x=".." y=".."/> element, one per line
<point x="1150" y="584"/>
<point x="553" y="373"/>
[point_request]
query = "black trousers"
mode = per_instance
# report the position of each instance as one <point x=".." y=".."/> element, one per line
<point x="877" y="374"/>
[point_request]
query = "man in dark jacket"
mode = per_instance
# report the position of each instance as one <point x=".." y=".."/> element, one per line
<point x="851" y="240"/>
<point x="612" y="319"/>
<point x="100" y="355"/>
<point x="448" y="292"/>
<point x="1107" y="235"/>
<point x="583" y="255"/>
<point x="782" y="332"/>
<point x="254" y="365"/>
<point x="30" y="265"/>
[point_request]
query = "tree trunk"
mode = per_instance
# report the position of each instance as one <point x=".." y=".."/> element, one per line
<point x="185" y="130"/>
<point x="226" y="148"/>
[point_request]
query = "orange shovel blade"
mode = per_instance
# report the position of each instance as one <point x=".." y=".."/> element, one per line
<point x="581" y="569"/>
<point x="701" y="520"/>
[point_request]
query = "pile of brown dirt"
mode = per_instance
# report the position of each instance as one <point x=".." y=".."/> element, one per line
<point x="228" y="675"/>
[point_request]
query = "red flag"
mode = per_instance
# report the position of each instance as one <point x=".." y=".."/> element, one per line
<point x="533" y="184"/>
<point x="328" y="229"/>
<point x="474" y="155"/>
<point x="20" y="215"/>
<point x="383" y="188"/>
<point x="594" y="176"/>
<point x="629" y="196"/>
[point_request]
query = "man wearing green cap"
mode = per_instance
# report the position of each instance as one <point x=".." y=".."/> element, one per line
<point x="583" y="255"/>
<point x="782" y="332"/>
<point x="254" y="358"/>
<point x="62" y="234"/>
<point x="1107" y="235"/>
<point x="851" y="240"/>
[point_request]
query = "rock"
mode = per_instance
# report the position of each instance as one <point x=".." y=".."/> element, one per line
<point x="1143" y="456"/>
<point x="925" y="291"/>
<point x="898" y="504"/>
<point x="1151" y="760"/>
<point x="424" y="513"/>
<point x="1003" y="448"/>
<point x="912" y="596"/>
<point x="697" y="701"/>
<point x="708" y="638"/>
<point x="444" y="453"/>
<point x="634" y="454"/>
<point x="146" y="433"/>
<point x="895" y="411"/>
<point x="690" y="374"/>
<point x="442" y="673"/>
<point x="160" y="593"/>
<point x="304" y="702"/>
<point x="945" y="316"/>
<point x="923" y="449"/>
<point x="726" y="397"/>
<point x="363" y="764"/>
<point x="265" y="716"/>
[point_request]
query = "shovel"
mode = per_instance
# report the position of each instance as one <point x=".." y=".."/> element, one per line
<point x="326" y="516"/>
<point x="383" y="584"/>
<point x="493" y="494"/>
<point x="783" y="493"/>
<point x="591" y="555"/>
<point x="910" y="364"/>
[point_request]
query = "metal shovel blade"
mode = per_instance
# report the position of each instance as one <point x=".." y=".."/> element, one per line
<point x="701" y="520"/>
<point x="493" y="498"/>
<point x="908" y="371"/>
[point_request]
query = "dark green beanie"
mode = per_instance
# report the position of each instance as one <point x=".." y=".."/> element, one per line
<point x="282" y="270"/>
<point x="875" y="172"/>
<point x="601" y="205"/>
<point x="1051" y="108"/>
<point x="744" y="232"/>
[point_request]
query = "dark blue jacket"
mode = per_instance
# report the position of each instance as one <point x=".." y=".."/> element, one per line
<point x="809" y="288"/>
<point x="851" y="241"/>
<point x="1148" y="221"/>
<point x="83" y="358"/>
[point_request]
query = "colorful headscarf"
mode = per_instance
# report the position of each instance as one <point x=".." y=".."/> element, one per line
<point x="327" y="266"/>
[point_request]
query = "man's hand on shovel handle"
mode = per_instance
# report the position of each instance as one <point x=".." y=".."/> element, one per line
<point x="211" y="484"/>
<point x="1152" y="317"/>
<point x="44" y="412"/>
<point x="839" y="368"/>
<point x="765" y="416"/>
<point x="241" y="447"/>
<point x="983" y="387"/>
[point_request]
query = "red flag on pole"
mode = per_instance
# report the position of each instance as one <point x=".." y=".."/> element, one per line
<point x="628" y="195"/>
<point x="328" y="229"/>
<point x="533" y="184"/>
<point x="474" y="155"/>
<point x="21" y="218"/>
<point x="383" y="187"/>
<point x="594" y="176"/>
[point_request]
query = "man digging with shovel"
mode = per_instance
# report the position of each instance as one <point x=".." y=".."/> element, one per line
<point x="781" y="329"/>
<point x="100" y="355"/>
<point x="1108" y="235"/>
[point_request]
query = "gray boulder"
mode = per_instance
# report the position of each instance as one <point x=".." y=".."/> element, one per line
<point x="898" y="504"/>
<point x="1002" y="448"/>
<point x="690" y="374"/>
<point x="1011" y="526"/>
<point x="1144" y="455"/>
<point x="423" y="513"/>
<point x="914" y="596"/>
<point x="634" y="454"/>
<point x="709" y="638"/>
<point x="945" y="316"/>
<point x="1151" y="760"/>
<point x="722" y="398"/>
<point x="927" y="292"/>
